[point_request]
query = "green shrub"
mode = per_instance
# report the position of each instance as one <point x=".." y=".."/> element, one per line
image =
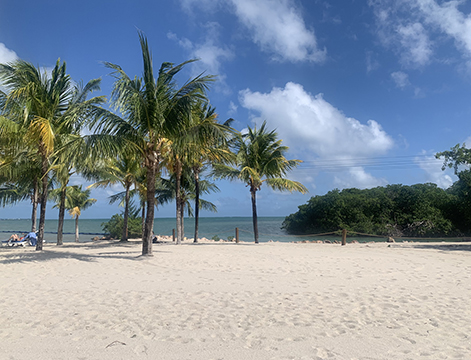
<point x="114" y="227"/>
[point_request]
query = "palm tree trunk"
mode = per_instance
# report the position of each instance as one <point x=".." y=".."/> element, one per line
<point x="182" y="219"/>
<point x="197" y="202"/>
<point x="42" y="210"/>
<point x="178" y="202"/>
<point x="60" y="226"/>
<point x="143" y="217"/>
<point x="34" y="200"/>
<point x="124" y="237"/>
<point x="253" y="192"/>
<point x="76" y="229"/>
<point x="151" y="164"/>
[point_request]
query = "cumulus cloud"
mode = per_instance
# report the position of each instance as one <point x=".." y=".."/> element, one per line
<point x="6" y="55"/>
<point x="315" y="129"/>
<point x="277" y="27"/>
<point x="415" y="27"/>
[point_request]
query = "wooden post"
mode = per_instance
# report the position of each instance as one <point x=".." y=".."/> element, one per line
<point x="237" y="235"/>
<point x="173" y="235"/>
<point x="344" y="237"/>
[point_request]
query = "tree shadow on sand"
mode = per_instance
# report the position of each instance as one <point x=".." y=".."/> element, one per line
<point x="117" y="250"/>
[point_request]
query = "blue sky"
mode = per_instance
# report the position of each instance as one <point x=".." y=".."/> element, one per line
<point x="364" y="92"/>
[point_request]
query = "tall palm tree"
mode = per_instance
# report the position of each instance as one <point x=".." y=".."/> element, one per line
<point x="153" y="110"/>
<point x="260" y="159"/>
<point x="46" y="107"/>
<point x="77" y="201"/>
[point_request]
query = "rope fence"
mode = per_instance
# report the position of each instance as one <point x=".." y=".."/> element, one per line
<point x="343" y="234"/>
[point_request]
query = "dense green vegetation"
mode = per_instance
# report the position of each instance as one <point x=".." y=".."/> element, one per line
<point x="395" y="210"/>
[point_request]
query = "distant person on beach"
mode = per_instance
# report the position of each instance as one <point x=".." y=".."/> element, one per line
<point x="14" y="237"/>
<point x="32" y="238"/>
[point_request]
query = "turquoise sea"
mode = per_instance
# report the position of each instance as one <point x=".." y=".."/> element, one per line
<point x="222" y="227"/>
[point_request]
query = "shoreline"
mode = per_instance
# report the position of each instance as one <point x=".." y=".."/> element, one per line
<point x="214" y="300"/>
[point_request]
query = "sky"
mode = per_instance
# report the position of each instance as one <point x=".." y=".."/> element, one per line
<point x="364" y="92"/>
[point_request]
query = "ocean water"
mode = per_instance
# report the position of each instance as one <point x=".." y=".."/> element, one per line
<point x="221" y="227"/>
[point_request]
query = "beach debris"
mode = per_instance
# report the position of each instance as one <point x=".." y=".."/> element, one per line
<point x="327" y="242"/>
<point x="114" y="343"/>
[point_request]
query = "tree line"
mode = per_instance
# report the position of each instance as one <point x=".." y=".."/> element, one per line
<point x="154" y="128"/>
<point x="421" y="210"/>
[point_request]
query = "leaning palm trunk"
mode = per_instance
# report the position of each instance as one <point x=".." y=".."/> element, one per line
<point x="197" y="204"/>
<point x="60" y="226"/>
<point x="34" y="200"/>
<point x="124" y="236"/>
<point x="254" y="214"/>
<point x="42" y="211"/>
<point x="76" y="229"/>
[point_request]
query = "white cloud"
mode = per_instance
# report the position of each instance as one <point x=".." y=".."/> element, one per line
<point x="278" y="28"/>
<point x="209" y="53"/>
<point x="417" y="48"/>
<point x="311" y="123"/>
<point x="315" y="129"/>
<point x="415" y="27"/>
<point x="6" y="55"/>
<point x="358" y="178"/>
<point x="433" y="169"/>
<point x="232" y="108"/>
<point x="449" y="20"/>
<point x="401" y="79"/>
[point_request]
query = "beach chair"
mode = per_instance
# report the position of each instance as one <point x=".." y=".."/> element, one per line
<point x="21" y="242"/>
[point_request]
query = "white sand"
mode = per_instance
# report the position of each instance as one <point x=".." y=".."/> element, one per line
<point x="236" y="301"/>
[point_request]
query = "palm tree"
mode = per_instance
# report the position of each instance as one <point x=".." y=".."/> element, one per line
<point x="167" y="191"/>
<point x="46" y="107"/>
<point x="77" y="201"/>
<point x="153" y="111"/>
<point x="214" y="149"/>
<point x="260" y="159"/>
<point x="19" y="168"/>
<point x="123" y="170"/>
<point x="201" y="139"/>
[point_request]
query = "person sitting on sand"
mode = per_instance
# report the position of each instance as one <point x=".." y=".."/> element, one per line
<point x="32" y="238"/>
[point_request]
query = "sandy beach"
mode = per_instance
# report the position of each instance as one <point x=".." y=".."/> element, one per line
<point x="232" y="301"/>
